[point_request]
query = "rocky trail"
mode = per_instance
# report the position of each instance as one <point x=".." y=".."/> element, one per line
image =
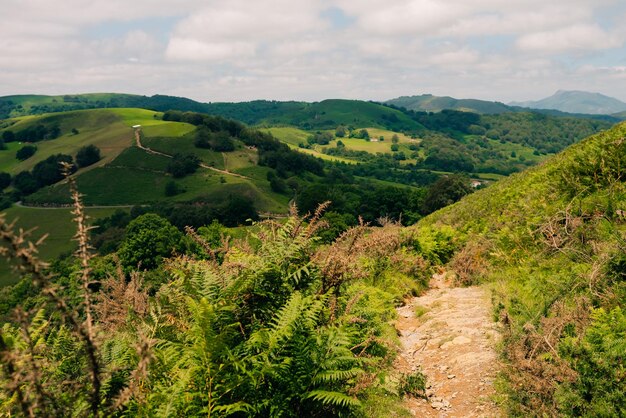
<point x="452" y="338"/>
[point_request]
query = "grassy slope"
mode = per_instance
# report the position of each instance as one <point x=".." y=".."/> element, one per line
<point x="55" y="222"/>
<point x="110" y="130"/>
<point x="432" y="103"/>
<point x="546" y="238"/>
<point x="128" y="175"/>
<point x="294" y="136"/>
<point x="330" y="113"/>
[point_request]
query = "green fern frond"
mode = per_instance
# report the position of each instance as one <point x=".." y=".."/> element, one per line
<point x="332" y="376"/>
<point x="332" y="398"/>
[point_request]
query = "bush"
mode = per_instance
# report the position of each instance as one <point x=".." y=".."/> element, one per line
<point x="25" y="183"/>
<point x="25" y="152"/>
<point x="5" y="180"/>
<point x="172" y="188"/>
<point x="600" y="389"/>
<point x="183" y="164"/>
<point x="149" y="239"/>
<point x="50" y="170"/>
<point x="413" y="384"/>
<point x="87" y="155"/>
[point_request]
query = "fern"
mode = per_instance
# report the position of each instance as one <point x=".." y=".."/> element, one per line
<point x="332" y="398"/>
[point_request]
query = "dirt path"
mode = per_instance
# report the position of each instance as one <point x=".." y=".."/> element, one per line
<point x="203" y="165"/>
<point x="453" y="341"/>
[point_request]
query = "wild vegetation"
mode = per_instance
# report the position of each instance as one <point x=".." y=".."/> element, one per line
<point x="550" y="243"/>
<point x="274" y="324"/>
<point x="195" y="306"/>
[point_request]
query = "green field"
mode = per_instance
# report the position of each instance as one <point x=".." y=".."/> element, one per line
<point x="238" y="159"/>
<point x="134" y="157"/>
<point x="55" y="222"/>
<point x="101" y="128"/>
<point x="108" y="129"/>
<point x="184" y="145"/>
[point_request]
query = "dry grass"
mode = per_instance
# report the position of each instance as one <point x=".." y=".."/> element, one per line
<point x="536" y="368"/>
<point x="470" y="263"/>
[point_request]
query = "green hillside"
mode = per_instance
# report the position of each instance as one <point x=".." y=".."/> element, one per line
<point x="329" y="114"/>
<point x="577" y="102"/>
<point x="127" y="175"/>
<point x="56" y="223"/>
<point x="550" y="241"/>
<point x="430" y="103"/>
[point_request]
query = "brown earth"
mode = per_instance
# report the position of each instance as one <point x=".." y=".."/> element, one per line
<point x="453" y="340"/>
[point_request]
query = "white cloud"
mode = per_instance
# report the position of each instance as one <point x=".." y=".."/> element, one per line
<point x="190" y="49"/>
<point x="580" y="37"/>
<point x="247" y="26"/>
<point x="286" y="49"/>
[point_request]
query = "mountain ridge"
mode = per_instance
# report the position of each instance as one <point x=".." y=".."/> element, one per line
<point x="577" y="101"/>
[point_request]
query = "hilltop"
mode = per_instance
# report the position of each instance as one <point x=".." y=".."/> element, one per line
<point x="577" y="102"/>
<point x="430" y="103"/>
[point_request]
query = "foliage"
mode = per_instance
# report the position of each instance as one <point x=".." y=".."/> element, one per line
<point x="87" y="155"/>
<point x="5" y="180"/>
<point x="172" y="188"/>
<point x="218" y="141"/>
<point x="25" y="183"/>
<point x="281" y="328"/>
<point x="182" y="165"/>
<point x="413" y="384"/>
<point x="598" y="358"/>
<point x="50" y="170"/>
<point x="149" y="238"/>
<point x="445" y="191"/>
<point x="25" y="152"/>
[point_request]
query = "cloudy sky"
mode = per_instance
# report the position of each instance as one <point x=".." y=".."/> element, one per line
<point x="235" y="50"/>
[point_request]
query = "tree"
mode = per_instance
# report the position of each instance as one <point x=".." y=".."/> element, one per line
<point x="183" y="164"/>
<point x="237" y="210"/>
<point x="8" y="136"/>
<point x="445" y="191"/>
<point x="25" y="183"/>
<point x="25" y="152"/>
<point x="172" y="188"/>
<point x="149" y="239"/>
<point x="394" y="147"/>
<point x="87" y="155"/>
<point x="341" y="131"/>
<point x="395" y="139"/>
<point x="5" y="180"/>
<point x="50" y="170"/>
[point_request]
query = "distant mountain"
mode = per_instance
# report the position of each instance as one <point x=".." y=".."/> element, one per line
<point x="577" y="102"/>
<point x="430" y="103"/>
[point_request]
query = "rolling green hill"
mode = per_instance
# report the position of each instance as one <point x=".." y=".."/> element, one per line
<point x="550" y="241"/>
<point x="430" y="103"/>
<point x="577" y="102"/>
<point x="325" y="114"/>
<point x="127" y="175"/>
<point x="329" y="114"/>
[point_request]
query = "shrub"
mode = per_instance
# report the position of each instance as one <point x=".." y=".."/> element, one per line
<point x="600" y="389"/>
<point x="87" y="155"/>
<point x="25" y="152"/>
<point x="413" y="384"/>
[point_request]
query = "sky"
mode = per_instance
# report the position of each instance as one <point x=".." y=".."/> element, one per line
<point x="238" y="50"/>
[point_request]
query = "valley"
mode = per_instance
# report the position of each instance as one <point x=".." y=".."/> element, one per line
<point x="316" y="234"/>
